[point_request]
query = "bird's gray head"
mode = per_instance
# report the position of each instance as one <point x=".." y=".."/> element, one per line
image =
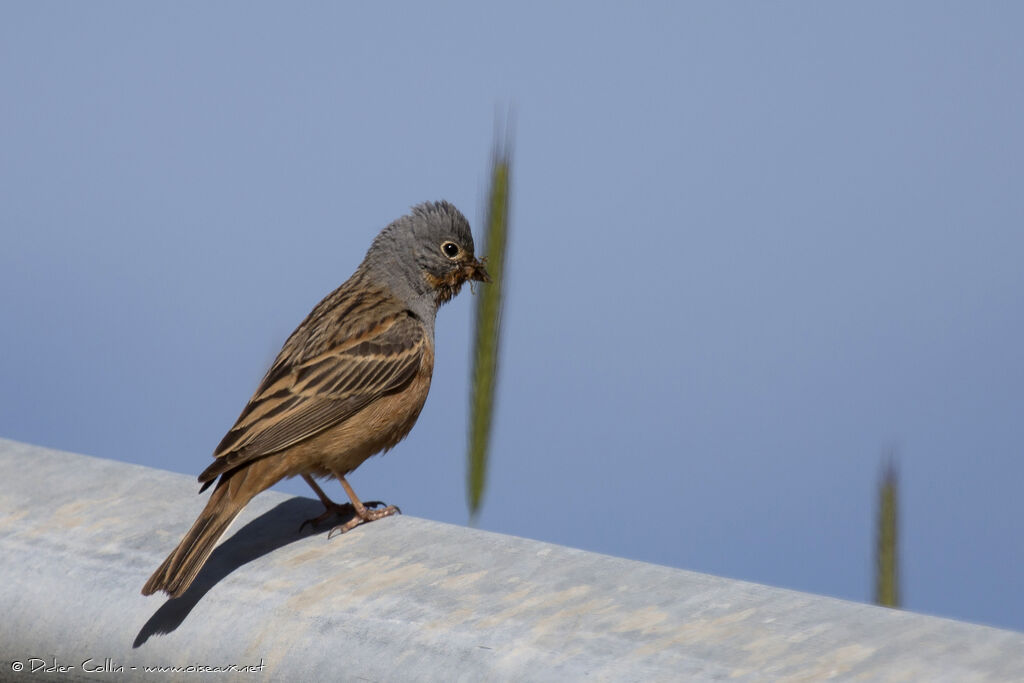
<point x="428" y="252"/>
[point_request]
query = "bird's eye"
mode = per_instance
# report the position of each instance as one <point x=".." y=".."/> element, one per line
<point x="450" y="249"/>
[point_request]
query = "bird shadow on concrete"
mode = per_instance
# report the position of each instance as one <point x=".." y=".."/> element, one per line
<point x="274" y="529"/>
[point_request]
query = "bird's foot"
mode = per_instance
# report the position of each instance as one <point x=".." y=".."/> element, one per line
<point x="366" y="516"/>
<point x="343" y="510"/>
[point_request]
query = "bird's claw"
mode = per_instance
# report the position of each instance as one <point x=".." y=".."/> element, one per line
<point x="369" y="516"/>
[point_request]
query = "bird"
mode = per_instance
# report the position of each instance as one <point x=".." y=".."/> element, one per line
<point x="348" y="383"/>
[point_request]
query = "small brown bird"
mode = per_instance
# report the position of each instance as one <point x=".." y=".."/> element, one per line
<point x="349" y="382"/>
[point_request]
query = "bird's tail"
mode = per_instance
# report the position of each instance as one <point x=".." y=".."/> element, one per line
<point x="180" y="568"/>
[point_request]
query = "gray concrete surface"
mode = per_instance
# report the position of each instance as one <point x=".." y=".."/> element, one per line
<point x="406" y="599"/>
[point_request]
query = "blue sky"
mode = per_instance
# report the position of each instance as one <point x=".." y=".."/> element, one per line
<point x="755" y="247"/>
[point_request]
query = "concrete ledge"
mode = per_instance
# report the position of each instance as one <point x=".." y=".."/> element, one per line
<point x="406" y="599"/>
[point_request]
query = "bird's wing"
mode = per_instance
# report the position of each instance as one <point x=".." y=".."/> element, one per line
<point x="298" y="400"/>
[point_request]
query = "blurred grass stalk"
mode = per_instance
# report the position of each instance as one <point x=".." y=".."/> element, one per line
<point x="488" y="319"/>
<point x="887" y="587"/>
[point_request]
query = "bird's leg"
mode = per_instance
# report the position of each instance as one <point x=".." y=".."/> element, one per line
<point x="362" y="513"/>
<point x="331" y="508"/>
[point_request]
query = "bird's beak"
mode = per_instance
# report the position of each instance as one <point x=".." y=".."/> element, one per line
<point x="475" y="271"/>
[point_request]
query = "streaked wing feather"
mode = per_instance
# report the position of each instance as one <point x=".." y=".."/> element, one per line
<point x="306" y="419"/>
<point x="299" y="401"/>
<point x="313" y="414"/>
